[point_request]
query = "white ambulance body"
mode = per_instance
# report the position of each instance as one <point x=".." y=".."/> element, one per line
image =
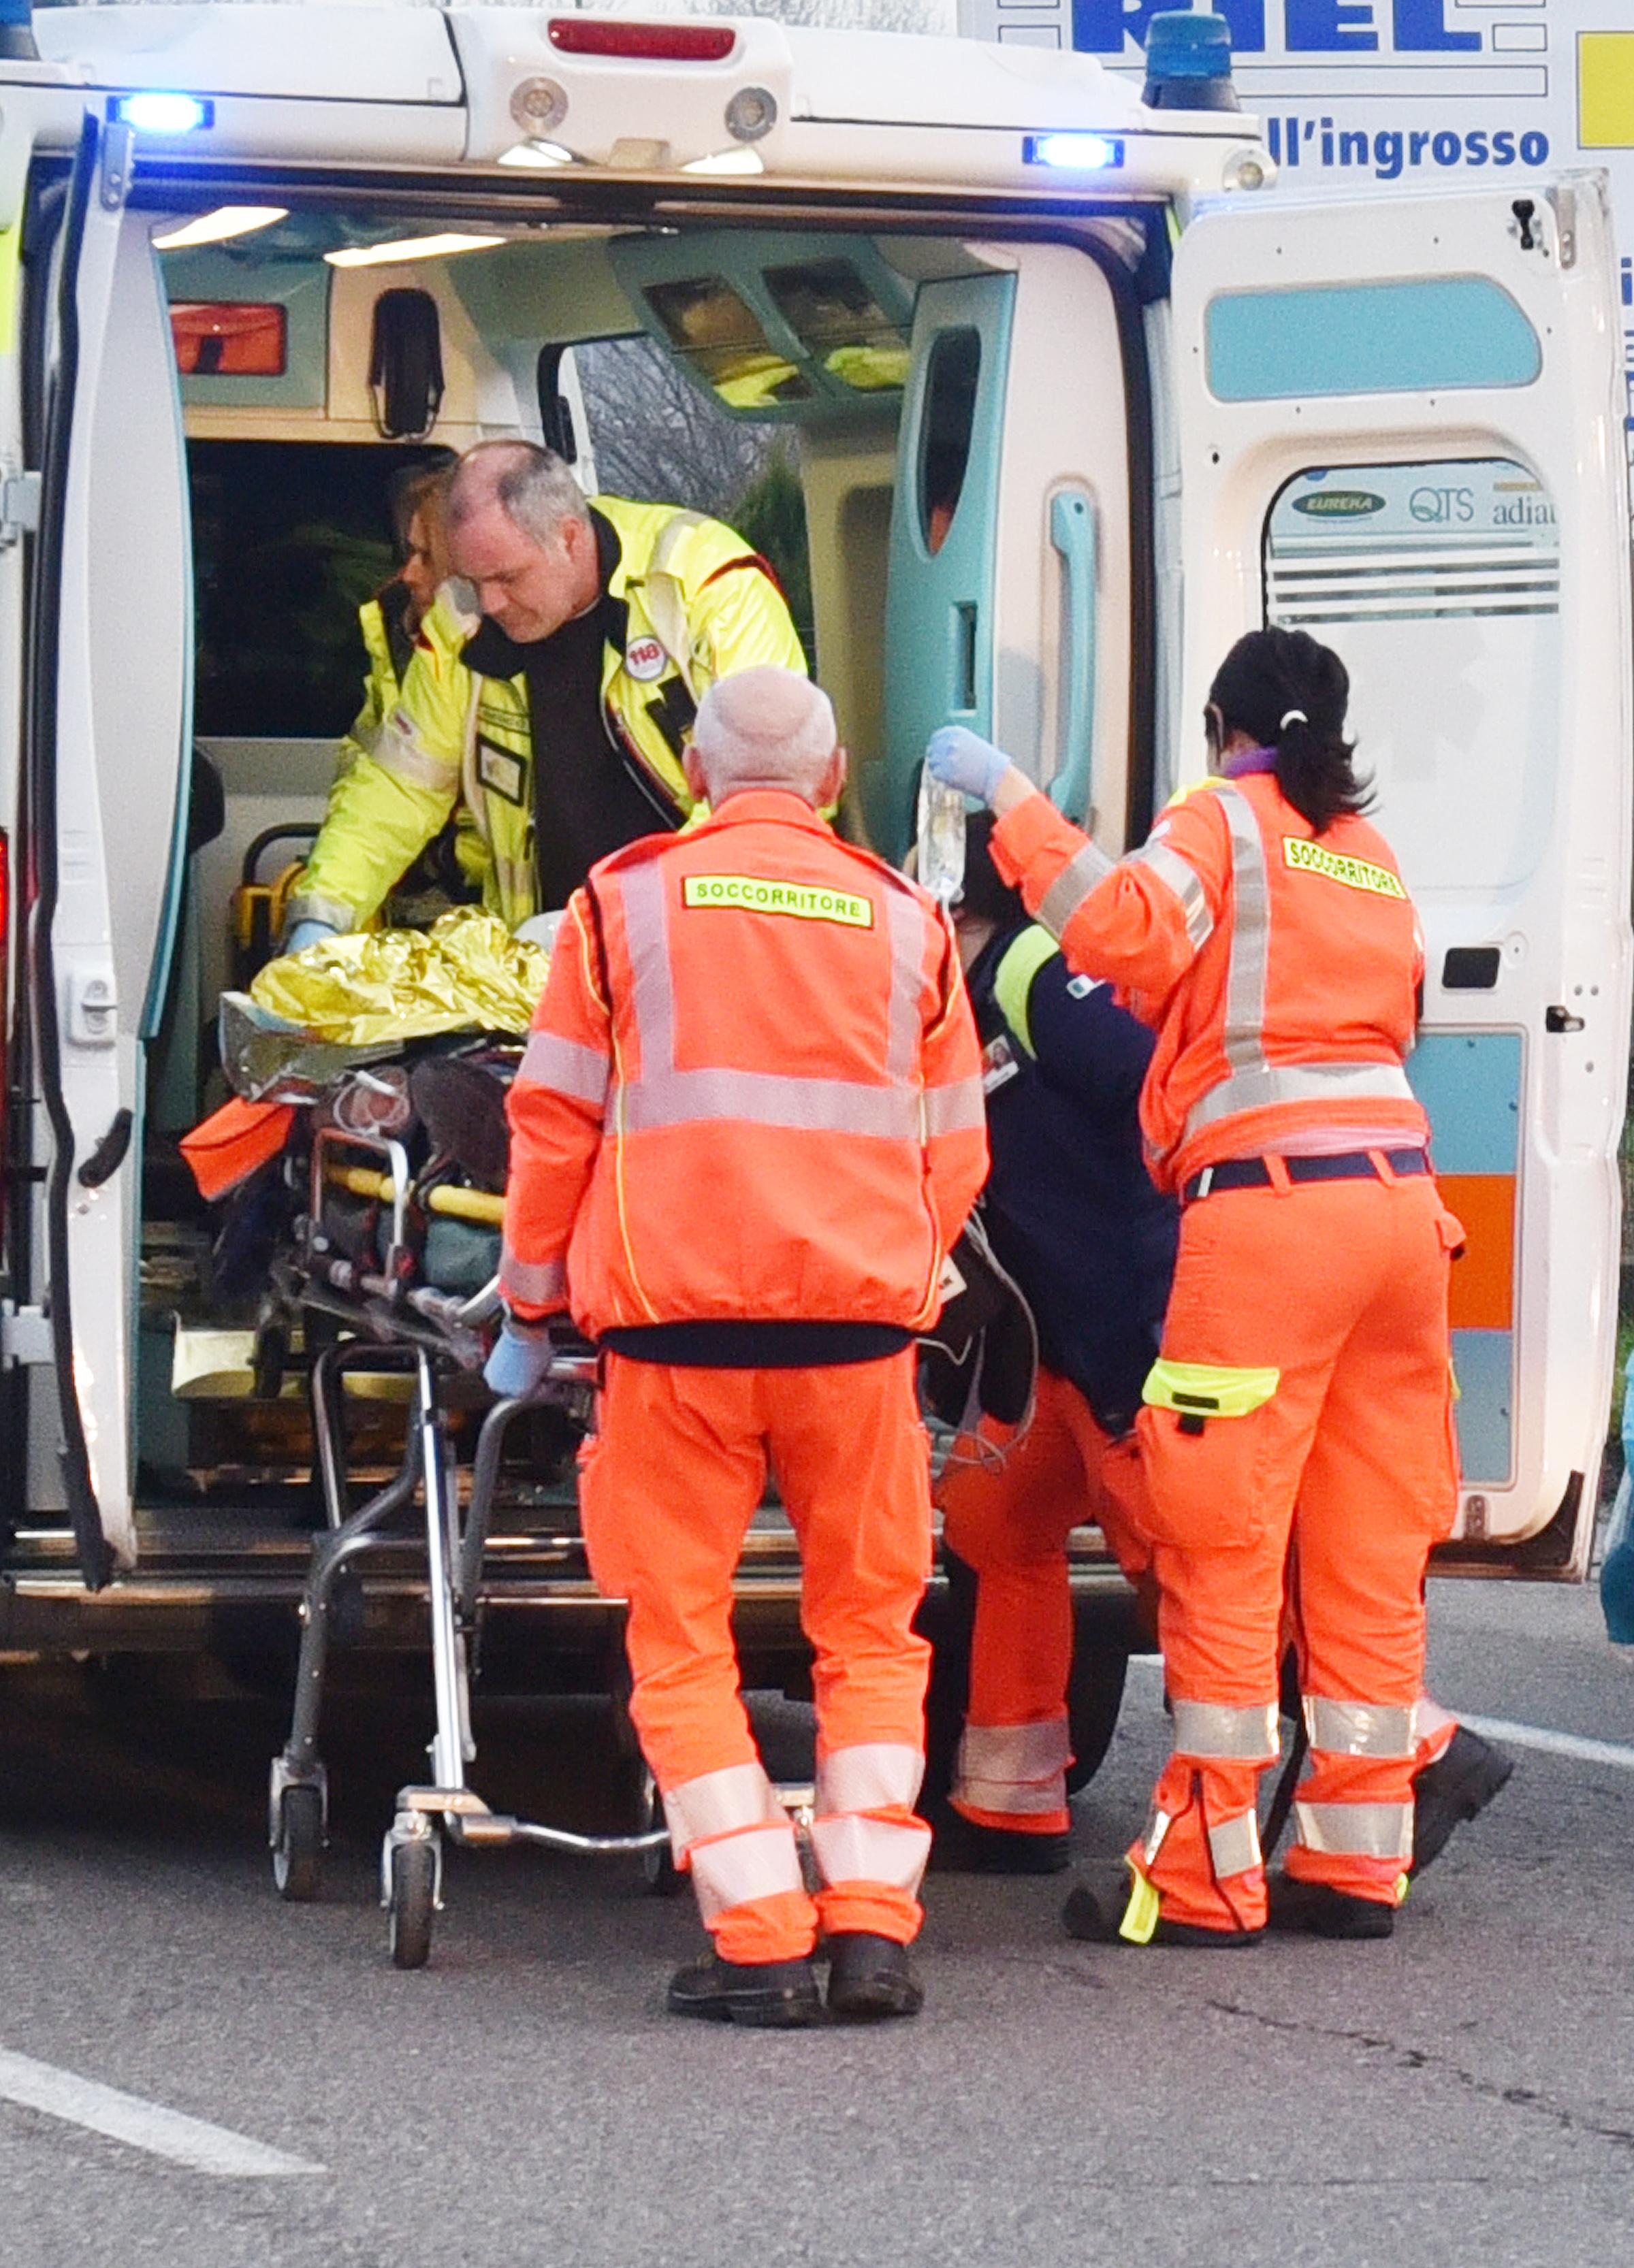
<point x="1073" y="403"/>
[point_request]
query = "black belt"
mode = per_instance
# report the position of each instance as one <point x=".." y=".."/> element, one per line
<point x="1347" y="1166"/>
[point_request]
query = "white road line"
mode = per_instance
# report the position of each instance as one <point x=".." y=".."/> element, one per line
<point x="1552" y="1743"/>
<point x="1541" y="1737"/>
<point x="145" y="2125"/>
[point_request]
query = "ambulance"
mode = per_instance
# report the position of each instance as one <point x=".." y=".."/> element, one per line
<point x="1072" y="400"/>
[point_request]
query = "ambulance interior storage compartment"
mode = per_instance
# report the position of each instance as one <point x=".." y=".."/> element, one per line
<point x="990" y="358"/>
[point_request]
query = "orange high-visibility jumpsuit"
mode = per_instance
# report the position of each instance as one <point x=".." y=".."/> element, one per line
<point x="747" y="1129"/>
<point x="1303" y="1392"/>
<point x="1009" y="1518"/>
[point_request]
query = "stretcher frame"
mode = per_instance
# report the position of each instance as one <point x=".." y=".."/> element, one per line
<point x="433" y="1336"/>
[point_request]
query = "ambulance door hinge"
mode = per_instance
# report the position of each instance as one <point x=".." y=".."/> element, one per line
<point x="26" y="1339"/>
<point x="115" y="164"/>
<point x="20" y="506"/>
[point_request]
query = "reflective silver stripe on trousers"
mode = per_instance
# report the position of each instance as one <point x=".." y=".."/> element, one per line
<point x="1210" y="1730"/>
<point x="1267" y="1083"/>
<point x="566" y="1067"/>
<point x="661" y="1095"/>
<point x="717" y="1803"/>
<point x="1180" y="876"/>
<point x="955" y="1109"/>
<point x="1158" y="1826"/>
<point x="1234" y="1846"/>
<point x="538" y="1282"/>
<point x="397" y="752"/>
<point x="1082" y="871"/>
<point x="871" y="1776"/>
<point x="853" y="1848"/>
<point x="1016" y="1752"/>
<point x="1012" y="1796"/>
<point x="1357" y="1830"/>
<point x="308" y="907"/>
<point x="1358" y="1728"/>
<point x="757" y="1862"/>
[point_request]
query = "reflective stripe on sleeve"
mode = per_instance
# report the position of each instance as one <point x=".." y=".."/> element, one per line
<point x="757" y="1862"/>
<point x="396" y="751"/>
<point x="720" y="1803"/>
<point x="1358" y="1728"/>
<point x="1357" y="1830"/>
<point x="1212" y="1731"/>
<point x="309" y="907"/>
<point x="1082" y="872"/>
<point x="955" y="1109"/>
<point x="1234" y="1846"/>
<point x="566" y="1067"/>
<point x="1180" y="876"/>
<point x="1244" y="1036"/>
<point x="871" y="1776"/>
<point x="853" y="1848"/>
<point x="537" y="1283"/>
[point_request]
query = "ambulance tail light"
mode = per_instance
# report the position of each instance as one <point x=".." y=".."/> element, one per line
<point x="662" y="43"/>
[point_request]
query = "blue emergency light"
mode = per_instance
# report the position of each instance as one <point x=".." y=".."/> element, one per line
<point x="1074" y="153"/>
<point x="154" y="113"/>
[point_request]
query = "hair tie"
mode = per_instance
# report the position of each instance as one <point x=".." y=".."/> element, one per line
<point x="1292" y="716"/>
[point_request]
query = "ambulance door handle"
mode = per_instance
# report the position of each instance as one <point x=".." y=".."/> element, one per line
<point x="1072" y="533"/>
<point x="1560" y="1020"/>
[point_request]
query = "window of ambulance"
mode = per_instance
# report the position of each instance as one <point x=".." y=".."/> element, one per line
<point x="1440" y="587"/>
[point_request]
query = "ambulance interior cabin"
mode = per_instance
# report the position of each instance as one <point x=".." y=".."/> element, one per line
<point x="848" y="401"/>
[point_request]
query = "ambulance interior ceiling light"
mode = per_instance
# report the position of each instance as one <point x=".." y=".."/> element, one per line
<point x="409" y="248"/>
<point x="1074" y="153"/>
<point x="154" y="113"/>
<point x="216" y="227"/>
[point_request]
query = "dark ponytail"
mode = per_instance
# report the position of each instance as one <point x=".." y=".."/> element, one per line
<point x="1289" y="694"/>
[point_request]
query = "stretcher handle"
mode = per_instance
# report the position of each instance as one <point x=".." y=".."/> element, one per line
<point x="379" y="1145"/>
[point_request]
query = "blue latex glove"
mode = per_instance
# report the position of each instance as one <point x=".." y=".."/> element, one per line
<point x="962" y="759"/>
<point x="520" y="1357"/>
<point x="309" y="932"/>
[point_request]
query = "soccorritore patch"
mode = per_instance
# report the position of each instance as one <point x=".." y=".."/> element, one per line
<point x="755" y="894"/>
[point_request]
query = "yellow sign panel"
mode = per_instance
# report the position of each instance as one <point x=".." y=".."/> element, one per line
<point x="755" y="894"/>
<point x="1606" y="90"/>
<point x="1356" y="874"/>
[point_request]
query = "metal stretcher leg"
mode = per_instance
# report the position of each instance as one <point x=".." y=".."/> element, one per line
<point x="298" y="1792"/>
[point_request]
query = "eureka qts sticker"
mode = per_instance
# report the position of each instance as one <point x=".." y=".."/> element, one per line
<point x="645" y="659"/>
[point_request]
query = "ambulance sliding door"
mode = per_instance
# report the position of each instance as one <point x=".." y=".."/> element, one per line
<point x="110" y="704"/>
<point x="1007" y="603"/>
<point x="1427" y="473"/>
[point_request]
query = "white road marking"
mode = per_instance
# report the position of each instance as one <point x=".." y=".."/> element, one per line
<point x="1541" y="1737"/>
<point x="1552" y="1743"/>
<point x="145" y="2125"/>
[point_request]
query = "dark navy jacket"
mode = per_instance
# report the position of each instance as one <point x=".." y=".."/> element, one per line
<point x="1069" y="1207"/>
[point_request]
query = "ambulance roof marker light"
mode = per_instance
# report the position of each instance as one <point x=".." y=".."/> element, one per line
<point x="1073" y="152"/>
<point x="153" y="112"/>
<point x="1189" y="63"/>
<point x="624" y="41"/>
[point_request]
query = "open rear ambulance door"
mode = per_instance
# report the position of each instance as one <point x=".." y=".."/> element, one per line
<point x="1007" y="597"/>
<point x="108" y="708"/>
<point x="1426" y="472"/>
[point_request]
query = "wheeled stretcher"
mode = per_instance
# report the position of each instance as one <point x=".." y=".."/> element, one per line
<point x="396" y="1319"/>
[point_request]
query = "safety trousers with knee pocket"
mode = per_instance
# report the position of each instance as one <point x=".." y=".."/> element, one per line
<point x="1299" y="1421"/>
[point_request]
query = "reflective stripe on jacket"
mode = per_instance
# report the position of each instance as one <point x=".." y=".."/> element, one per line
<point x="1279" y="969"/>
<point x="779" y="1118"/>
<point x="699" y="606"/>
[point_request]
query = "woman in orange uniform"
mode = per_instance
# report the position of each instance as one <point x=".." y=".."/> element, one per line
<point x="1297" y="1423"/>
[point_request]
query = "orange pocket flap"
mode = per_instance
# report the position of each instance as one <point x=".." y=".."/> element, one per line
<point x="232" y="1141"/>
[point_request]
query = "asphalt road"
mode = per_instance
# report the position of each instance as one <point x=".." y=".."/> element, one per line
<point x="1462" y="2094"/>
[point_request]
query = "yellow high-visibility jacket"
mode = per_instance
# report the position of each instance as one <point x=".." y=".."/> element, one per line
<point x="700" y="607"/>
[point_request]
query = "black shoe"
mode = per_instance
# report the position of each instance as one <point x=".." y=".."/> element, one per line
<point x="770" y="1994"/>
<point x="1320" y="1911"/>
<point x="1096" y="1921"/>
<point x="967" y="1847"/>
<point x="871" y="1976"/>
<point x="1462" y="1782"/>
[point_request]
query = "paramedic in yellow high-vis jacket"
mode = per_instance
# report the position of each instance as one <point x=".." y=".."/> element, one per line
<point x="560" y="708"/>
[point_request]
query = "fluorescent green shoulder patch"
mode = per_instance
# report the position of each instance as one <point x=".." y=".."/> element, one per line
<point x="1012" y="985"/>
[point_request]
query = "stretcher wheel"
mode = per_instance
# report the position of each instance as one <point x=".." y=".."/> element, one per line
<point x="298" y="1853"/>
<point x="412" y="1902"/>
